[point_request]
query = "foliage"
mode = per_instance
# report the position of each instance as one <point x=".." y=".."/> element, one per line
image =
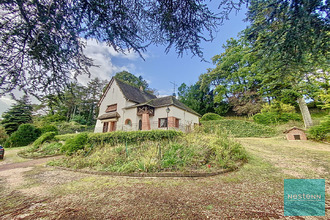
<point x="46" y="149"/>
<point x="122" y="137"/>
<point x="3" y="135"/>
<point x="277" y="112"/>
<point x="191" y="152"/>
<point x="195" y="97"/>
<point x="238" y="128"/>
<point x="278" y="107"/>
<point x="50" y="37"/>
<point x="43" y="138"/>
<point x="268" y="118"/>
<point x="246" y="103"/>
<point x="211" y="117"/>
<point x="49" y="128"/>
<point x="25" y="135"/>
<point x="73" y="127"/>
<point x="132" y="80"/>
<point x="79" y="119"/>
<point x="19" y="113"/>
<point x="321" y="131"/>
<point x="74" y="144"/>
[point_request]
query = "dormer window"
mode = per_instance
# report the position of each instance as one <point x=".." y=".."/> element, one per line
<point x="111" y="108"/>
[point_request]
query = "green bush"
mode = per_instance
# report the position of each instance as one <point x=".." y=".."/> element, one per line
<point x="321" y="131"/>
<point x="25" y="135"/>
<point x="116" y="137"/>
<point x="73" y="127"/>
<point x="211" y="117"/>
<point x="239" y="128"/>
<point x="195" y="151"/>
<point x="75" y="144"/>
<point x="49" y="128"/>
<point x="44" y="137"/>
<point x="268" y="118"/>
<point x="3" y="135"/>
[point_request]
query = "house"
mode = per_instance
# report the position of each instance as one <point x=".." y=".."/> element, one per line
<point x="125" y="107"/>
<point x="295" y="134"/>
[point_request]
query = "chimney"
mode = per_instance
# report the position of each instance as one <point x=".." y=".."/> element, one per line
<point x="141" y="88"/>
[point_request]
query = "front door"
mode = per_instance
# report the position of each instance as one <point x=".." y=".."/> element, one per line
<point x="113" y="125"/>
<point x="105" y="127"/>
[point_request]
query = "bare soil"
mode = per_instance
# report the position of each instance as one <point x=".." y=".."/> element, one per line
<point x="31" y="190"/>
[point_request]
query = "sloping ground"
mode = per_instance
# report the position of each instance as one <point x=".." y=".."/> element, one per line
<point x="253" y="192"/>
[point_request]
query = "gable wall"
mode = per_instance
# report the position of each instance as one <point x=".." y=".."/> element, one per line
<point x="114" y="96"/>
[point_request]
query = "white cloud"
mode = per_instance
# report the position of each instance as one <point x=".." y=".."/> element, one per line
<point x="102" y="56"/>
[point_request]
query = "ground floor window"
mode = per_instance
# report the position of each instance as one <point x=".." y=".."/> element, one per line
<point x="128" y="122"/>
<point x="109" y="126"/>
<point x="162" y="122"/>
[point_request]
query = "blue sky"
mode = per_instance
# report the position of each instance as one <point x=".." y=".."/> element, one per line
<point x="158" y="68"/>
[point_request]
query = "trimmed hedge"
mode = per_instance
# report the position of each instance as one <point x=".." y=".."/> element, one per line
<point x="211" y="117"/>
<point x="132" y="136"/>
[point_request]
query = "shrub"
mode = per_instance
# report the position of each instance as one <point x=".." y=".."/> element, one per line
<point x="116" y="137"/>
<point x="321" y="131"/>
<point x="211" y="117"/>
<point x="3" y="135"/>
<point x="239" y="128"/>
<point x="268" y="118"/>
<point x="73" y="127"/>
<point x="49" y="128"/>
<point x="44" y="137"/>
<point x="74" y="144"/>
<point x="189" y="152"/>
<point x="25" y="135"/>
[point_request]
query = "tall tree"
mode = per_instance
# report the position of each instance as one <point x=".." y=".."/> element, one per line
<point x="198" y="99"/>
<point x="42" y="41"/>
<point x="19" y="113"/>
<point x="134" y="81"/>
<point x="293" y="40"/>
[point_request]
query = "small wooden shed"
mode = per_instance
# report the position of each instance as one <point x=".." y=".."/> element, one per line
<point x="294" y="134"/>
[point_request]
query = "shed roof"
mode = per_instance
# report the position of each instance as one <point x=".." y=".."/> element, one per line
<point x="293" y="128"/>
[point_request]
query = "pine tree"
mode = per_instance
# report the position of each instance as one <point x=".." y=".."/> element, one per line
<point x="19" y="113"/>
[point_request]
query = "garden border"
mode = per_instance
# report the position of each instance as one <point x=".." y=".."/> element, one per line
<point x="160" y="174"/>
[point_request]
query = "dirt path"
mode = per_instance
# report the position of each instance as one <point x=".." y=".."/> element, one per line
<point x="253" y="192"/>
<point x="29" y="163"/>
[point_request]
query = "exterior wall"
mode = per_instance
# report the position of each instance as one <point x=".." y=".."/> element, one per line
<point x="186" y="123"/>
<point x="290" y="135"/>
<point x="114" y="96"/>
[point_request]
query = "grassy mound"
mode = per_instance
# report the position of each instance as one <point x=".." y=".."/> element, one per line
<point x="190" y="152"/>
<point x="239" y="128"/>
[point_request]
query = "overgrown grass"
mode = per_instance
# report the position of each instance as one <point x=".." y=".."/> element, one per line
<point x="191" y="152"/>
<point x="43" y="150"/>
<point x="239" y="128"/>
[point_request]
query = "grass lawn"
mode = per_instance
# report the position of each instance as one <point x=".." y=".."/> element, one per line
<point x="254" y="191"/>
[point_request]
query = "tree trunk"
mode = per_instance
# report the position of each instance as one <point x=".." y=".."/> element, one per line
<point x="305" y="112"/>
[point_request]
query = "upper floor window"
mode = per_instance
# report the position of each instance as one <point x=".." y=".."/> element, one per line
<point x="111" y="108"/>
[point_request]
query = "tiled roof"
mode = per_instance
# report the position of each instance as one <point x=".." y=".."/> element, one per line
<point x="109" y="115"/>
<point x="166" y="101"/>
<point x="134" y="94"/>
